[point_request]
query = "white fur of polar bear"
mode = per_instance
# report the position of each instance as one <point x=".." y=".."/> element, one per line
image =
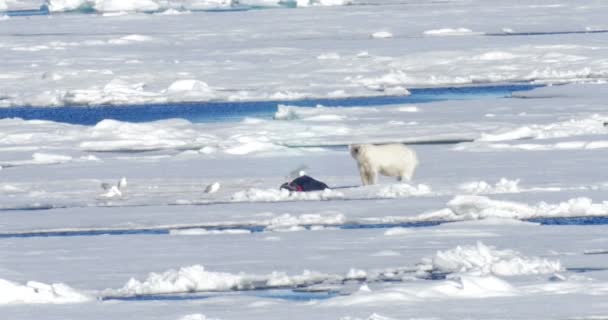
<point x="393" y="160"/>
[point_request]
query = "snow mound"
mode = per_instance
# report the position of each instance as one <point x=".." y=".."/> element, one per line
<point x="461" y="287"/>
<point x="37" y="292"/>
<point x="482" y="260"/>
<point x="404" y="190"/>
<point x="49" y="158"/>
<point x="479" y="207"/>
<point x="381" y="35"/>
<point x="273" y="195"/>
<point x="193" y="89"/>
<point x="471" y="287"/>
<point x="112" y="135"/>
<point x="502" y="186"/>
<point x="573" y="127"/>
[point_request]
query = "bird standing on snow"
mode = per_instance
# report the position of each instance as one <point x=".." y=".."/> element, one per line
<point x="212" y="188"/>
<point x="114" y="190"/>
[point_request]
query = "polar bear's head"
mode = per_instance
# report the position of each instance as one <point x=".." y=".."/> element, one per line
<point x="356" y="150"/>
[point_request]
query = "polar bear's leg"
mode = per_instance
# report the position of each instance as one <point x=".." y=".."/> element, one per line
<point x="363" y="174"/>
<point x="368" y="175"/>
<point x="372" y="176"/>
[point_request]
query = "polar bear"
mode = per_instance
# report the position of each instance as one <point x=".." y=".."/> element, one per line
<point x="393" y="160"/>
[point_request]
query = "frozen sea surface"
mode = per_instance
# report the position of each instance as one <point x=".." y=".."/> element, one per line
<point x="142" y="144"/>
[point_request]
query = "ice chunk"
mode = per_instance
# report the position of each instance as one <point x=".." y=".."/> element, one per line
<point x="37" y="292"/>
<point x="483" y="260"/>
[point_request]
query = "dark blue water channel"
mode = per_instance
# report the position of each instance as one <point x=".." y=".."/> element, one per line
<point x="234" y="111"/>
<point x="582" y="221"/>
<point x="282" y="294"/>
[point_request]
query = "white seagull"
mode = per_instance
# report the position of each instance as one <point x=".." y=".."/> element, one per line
<point x="114" y="190"/>
<point x="213" y="188"/>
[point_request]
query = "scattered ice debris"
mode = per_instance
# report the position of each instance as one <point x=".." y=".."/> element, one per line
<point x="272" y="195"/>
<point x="381" y="35"/>
<point x="482" y="187"/>
<point x="404" y="190"/>
<point x="113" y="191"/>
<point x="212" y="188"/>
<point x="482" y="260"/>
<point x="37" y="292"/>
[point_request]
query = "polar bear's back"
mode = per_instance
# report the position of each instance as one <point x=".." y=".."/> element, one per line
<point x="393" y="157"/>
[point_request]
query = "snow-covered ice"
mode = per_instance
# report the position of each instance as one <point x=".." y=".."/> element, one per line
<point x="227" y="100"/>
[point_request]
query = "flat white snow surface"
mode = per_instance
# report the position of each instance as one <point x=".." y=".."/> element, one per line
<point x="179" y="219"/>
